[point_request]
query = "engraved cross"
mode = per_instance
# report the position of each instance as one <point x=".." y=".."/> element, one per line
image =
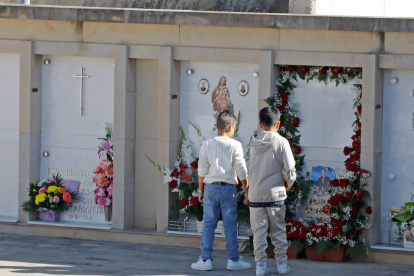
<point x="82" y="76"/>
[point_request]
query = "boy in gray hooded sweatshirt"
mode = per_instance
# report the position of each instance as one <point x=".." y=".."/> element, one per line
<point x="271" y="162"/>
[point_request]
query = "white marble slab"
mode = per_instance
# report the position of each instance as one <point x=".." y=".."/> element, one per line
<point x="198" y="108"/>
<point x="9" y="138"/>
<point x="72" y="140"/>
<point x="398" y="141"/>
<point x="72" y="224"/>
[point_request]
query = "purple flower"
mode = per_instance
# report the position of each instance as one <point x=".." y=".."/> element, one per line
<point x="106" y="146"/>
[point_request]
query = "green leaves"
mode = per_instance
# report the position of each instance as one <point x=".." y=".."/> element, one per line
<point x="404" y="215"/>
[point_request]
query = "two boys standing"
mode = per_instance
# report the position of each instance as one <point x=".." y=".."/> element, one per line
<point x="271" y="162"/>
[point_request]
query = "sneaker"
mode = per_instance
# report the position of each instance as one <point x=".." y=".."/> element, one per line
<point x="261" y="269"/>
<point x="202" y="265"/>
<point x="239" y="265"/>
<point x="282" y="268"/>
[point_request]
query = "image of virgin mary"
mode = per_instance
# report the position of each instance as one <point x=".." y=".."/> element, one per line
<point x="221" y="98"/>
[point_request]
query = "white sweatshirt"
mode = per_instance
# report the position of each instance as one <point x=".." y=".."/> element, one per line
<point x="221" y="158"/>
<point x="271" y="161"/>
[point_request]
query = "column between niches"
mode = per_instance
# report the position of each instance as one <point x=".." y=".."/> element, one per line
<point x="266" y="78"/>
<point x="371" y="139"/>
<point x="168" y="128"/>
<point x="124" y="140"/>
<point x="30" y="123"/>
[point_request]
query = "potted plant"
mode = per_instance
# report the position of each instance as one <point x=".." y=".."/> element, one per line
<point x="406" y="218"/>
<point x="49" y="197"/>
<point x="104" y="174"/>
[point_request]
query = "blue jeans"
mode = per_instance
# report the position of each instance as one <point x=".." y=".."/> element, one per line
<point x="220" y="198"/>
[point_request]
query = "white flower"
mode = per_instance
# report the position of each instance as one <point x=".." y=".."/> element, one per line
<point x="175" y="190"/>
<point x="41" y="182"/>
<point x="177" y="165"/>
<point x="200" y="140"/>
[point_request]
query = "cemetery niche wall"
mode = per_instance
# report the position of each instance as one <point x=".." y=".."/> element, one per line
<point x="320" y="117"/>
<point x="77" y="103"/>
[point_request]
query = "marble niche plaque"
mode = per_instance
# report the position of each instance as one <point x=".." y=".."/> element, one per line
<point x="70" y="139"/>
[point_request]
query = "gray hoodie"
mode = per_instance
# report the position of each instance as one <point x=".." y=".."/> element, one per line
<point x="271" y="161"/>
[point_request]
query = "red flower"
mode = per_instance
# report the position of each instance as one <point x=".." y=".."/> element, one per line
<point x="354" y="157"/>
<point x="66" y="197"/>
<point x="359" y="231"/>
<point x="350" y="166"/>
<point x="239" y="184"/>
<point x="194" y="201"/>
<point x="284" y="96"/>
<point x="184" y="202"/>
<point x="336" y="232"/>
<point x="290" y="67"/>
<point x="335" y="182"/>
<point x="348" y="70"/>
<point x="280" y="108"/>
<point x="173" y="184"/>
<point x="283" y="69"/>
<point x="354" y="138"/>
<point x="359" y="124"/>
<point x="358" y="133"/>
<point x="326" y="209"/>
<point x="354" y="211"/>
<point x="344" y="183"/>
<point x="360" y="193"/>
<point x="182" y="169"/>
<point x="339" y="198"/>
<point x="304" y="70"/>
<point x="194" y="165"/>
<point x="302" y="236"/>
<point x="349" y="195"/>
<point x="360" y="69"/>
<point x="359" y="108"/>
<point x="347" y="151"/>
<point x="297" y="150"/>
<point x="335" y="71"/>
<point x="332" y="202"/>
<point x="356" y="144"/>
<point x="368" y="210"/>
<point x="364" y="172"/>
<point x="323" y="71"/>
<point x="174" y="173"/>
<point x="339" y="224"/>
<point x="296" y="121"/>
<point x="186" y="178"/>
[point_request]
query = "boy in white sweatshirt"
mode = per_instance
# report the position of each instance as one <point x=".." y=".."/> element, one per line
<point x="271" y="162"/>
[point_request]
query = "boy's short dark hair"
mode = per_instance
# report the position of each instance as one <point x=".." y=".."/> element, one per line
<point x="225" y="119"/>
<point x="269" y="116"/>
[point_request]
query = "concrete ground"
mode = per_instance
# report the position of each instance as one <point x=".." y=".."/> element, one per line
<point x="23" y="255"/>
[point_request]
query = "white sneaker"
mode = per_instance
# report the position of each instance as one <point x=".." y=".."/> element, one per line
<point x="239" y="265"/>
<point x="261" y="269"/>
<point x="202" y="265"/>
<point x="282" y="268"/>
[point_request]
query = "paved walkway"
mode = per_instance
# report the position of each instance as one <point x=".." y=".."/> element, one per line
<point x="23" y="255"/>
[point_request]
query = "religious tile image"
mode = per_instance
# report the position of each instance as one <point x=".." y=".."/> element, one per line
<point x="203" y="86"/>
<point x="221" y="98"/>
<point x="243" y="88"/>
<point x="322" y="177"/>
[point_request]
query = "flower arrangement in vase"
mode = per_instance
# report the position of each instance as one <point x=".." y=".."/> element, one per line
<point x="103" y="175"/>
<point x="395" y="228"/>
<point x="49" y="197"/>
<point x="406" y="218"/>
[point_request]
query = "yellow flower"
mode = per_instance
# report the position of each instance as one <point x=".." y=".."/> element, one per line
<point x="32" y="182"/>
<point x="52" y="189"/>
<point x="40" y="198"/>
<point x="34" y="190"/>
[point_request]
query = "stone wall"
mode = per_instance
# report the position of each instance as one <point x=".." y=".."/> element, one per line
<point x="271" y="6"/>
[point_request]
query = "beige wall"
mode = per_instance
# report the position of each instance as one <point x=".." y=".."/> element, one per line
<point x="146" y="143"/>
<point x="40" y="30"/>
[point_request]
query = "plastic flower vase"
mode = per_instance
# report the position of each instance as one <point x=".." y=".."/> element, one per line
<point x="49" y="215"/>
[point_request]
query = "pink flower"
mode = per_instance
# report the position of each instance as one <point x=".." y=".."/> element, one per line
<point x="106" y="146"/>
<point x="100" y="192"/>
<point x="100" y="180"/>
<point x="102" y="201"/>
<point x="110" y="190"/>
<point x="42" y="190"/>
<point x="52" y="180"/>
<point x="108" y="201"/>
<point x="56" y="199"/>
<point x="105" y="165"/>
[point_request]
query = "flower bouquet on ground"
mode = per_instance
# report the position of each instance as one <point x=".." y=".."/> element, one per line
<point x="104" y="175"/>
<point x="406" y="218"/>
<point x="49" y="197"/>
